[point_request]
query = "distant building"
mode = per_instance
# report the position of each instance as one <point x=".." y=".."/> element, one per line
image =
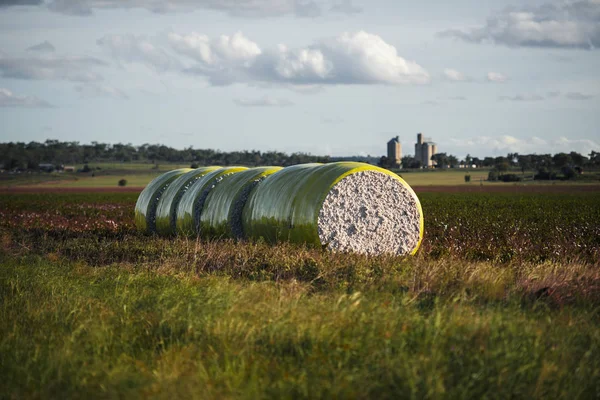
<point x="424" y="149"/>
<point x="394" y="151"/>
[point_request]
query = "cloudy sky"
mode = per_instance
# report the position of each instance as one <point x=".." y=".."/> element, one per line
<point x="336" y="77"/>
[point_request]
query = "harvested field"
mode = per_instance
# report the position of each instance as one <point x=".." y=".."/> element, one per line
<point x="502" y="297"/>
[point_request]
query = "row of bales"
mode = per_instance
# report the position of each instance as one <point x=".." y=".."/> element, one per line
<point x="343" y="206"/>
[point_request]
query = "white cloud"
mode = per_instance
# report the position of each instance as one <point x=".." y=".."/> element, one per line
<point x="245" y="8"/>
<point x="132" y="48"/>
<point x="222" y="50"/>
<point x="522" y="97"/>
<point x="91" y="90"/>
<point x="461" y="98"/>
<point x="366" y="58"/>
<point x="263" y="102"/>
<point x="528" y="145"/>
<point x="454" y="75"/>
<point x="9" y="99"/>
<point x="297" y="66"/>
<point x="496" y="77"/>
<point x="583" y="146"/>
<point x="569" y="24"/>
<point x="44" y="47"/>
<point x="350" y="58"/>
<point x="52" y="67"/>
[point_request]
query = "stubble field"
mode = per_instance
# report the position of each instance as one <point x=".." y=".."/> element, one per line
<point x="502" y="300"/>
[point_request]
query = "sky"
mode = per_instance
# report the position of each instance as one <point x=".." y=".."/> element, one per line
<point x="326" y="77"/>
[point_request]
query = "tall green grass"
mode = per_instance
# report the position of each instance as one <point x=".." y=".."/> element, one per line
<point x="73" y="331"/>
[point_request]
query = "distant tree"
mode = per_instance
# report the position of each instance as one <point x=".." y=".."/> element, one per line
<point x="440" y="159"/>
<point x="578" y="159"/>
<point x="410" y="162"/>
<point x="384" y="162"/>
<point x="122" y="182"/>
<point x="595" y="158"/>
<point x="488" y="162"/>
<point x="502" y="165"/>
<point x="542" y="161"/>
<point x="561" y="160"/>
<point x="452" y="160"/>
<point x="524" y="162"/>
<point x="568" y="172"/>
<point x="468" y="160"/>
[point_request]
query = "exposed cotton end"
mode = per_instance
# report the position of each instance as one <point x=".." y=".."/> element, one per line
<point x="372" y="213"/>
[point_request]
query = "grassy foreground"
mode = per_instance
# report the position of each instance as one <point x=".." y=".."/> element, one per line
<point x="503" y="301"/>
<point x="75" y="331"/>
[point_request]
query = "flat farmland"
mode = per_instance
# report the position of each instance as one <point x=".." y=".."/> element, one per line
<point x="139" y="175"/>
<point x="501" y="300"/>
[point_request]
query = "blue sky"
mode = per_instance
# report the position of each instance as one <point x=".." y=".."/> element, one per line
<point x="332" y="77"/>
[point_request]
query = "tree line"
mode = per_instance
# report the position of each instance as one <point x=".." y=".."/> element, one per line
<point x="15" y="156"/>
<point x="524" y="162"/>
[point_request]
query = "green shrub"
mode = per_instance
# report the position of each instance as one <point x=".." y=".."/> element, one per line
<point x="544" y="175"/>
<point x="123" y="182"/>
<point x="467" y="178"/>
<point x="569" y="172"/>
<point x="510" y="178"/>
<point x="493" y="176"/>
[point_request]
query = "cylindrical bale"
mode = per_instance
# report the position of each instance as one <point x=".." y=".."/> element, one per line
<point x="191" y="203"/>
<point x="145" y="207"/>
<point x="344" y="206"/>
<point x="166" y="211"/>
<point x="222" y="212"/>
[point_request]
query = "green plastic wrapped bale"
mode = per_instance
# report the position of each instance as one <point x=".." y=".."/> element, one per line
<point x="344" y="206"/>
<point x="222" y="212"/>
<point x="145" y="207"/>
<point x="166" y="211"/>
<point x="191" y="203"/>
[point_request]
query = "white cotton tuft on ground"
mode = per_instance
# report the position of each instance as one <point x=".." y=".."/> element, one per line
<point x="371" y="213"/>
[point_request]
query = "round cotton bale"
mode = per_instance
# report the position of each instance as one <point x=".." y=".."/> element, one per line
<point x="166" y="211"/>
<point x="145" y="207"/>
<point x="345" y="206"/>
<point x="222" y="212"/>
<point x="192" y="202"/>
